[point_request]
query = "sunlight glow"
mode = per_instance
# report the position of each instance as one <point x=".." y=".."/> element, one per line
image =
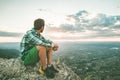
<point x="57" y="35"/>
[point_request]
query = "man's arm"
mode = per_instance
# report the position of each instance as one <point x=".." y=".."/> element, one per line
<point x="54" y="45"/>
<point x="46" y="40"/>
<point x="35" y="40"/>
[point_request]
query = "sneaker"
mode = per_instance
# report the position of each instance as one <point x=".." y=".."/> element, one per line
<point x="41" y="71"/>
<point x="46" y="72"/>
<point x="52" y="68"/>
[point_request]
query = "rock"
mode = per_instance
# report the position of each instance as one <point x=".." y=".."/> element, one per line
<point x="13" y="69"/>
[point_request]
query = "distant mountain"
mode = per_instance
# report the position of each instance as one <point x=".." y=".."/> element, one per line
<point x="9" y="50"/>
<point x="9" y="53"/>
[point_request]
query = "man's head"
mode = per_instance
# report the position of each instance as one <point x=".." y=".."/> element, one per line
<point x="39" y="24"/>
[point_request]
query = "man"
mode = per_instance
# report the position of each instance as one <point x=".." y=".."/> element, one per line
<point x="34" y="47"/>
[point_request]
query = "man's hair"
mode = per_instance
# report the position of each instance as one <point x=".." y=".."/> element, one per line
<point x="38" y="23"/>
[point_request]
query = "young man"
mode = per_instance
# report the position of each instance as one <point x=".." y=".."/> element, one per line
<point x="34" y="48"/>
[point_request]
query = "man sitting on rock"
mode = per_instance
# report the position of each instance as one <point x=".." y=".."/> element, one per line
<point x="34" y="47"/>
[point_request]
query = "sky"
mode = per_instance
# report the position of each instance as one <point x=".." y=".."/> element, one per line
<point x="66" y="20"/>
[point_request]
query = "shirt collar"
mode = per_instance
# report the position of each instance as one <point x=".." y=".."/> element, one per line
<point x="35" y="32"/>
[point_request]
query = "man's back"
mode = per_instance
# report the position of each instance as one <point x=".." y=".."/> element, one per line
<point x="32" y="38"/>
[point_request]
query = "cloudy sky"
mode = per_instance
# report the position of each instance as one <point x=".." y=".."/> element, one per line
<point x="71" y="20"/>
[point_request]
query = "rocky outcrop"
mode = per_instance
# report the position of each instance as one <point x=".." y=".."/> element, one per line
<point x="13" y="69"/>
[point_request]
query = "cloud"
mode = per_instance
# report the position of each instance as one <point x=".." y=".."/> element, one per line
<point x="10" y="34"/>
<point x="82" y="25"/>
<point x="103" y="20"/>
<point x="82" y="13"/>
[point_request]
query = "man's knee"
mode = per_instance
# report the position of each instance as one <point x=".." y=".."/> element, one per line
<point x="40" y="47"/>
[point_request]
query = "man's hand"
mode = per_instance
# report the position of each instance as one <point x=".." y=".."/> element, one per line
<point x="55" y="48"/>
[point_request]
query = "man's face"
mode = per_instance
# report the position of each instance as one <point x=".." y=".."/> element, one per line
<point x="42" y="29"/>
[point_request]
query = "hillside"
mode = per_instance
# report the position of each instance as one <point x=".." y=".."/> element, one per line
<point x="13" y="69"/>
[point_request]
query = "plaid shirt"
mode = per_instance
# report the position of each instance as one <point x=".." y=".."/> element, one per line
<point x="32" y="39"/>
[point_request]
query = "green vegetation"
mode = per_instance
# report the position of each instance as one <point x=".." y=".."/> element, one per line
<point x="94" y="63"/>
